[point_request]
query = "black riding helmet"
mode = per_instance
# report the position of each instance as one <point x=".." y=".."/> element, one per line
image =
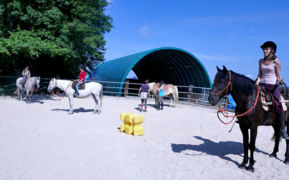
<point x="270" y="44"/>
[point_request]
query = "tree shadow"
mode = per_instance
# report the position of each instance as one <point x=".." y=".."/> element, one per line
<point x="219" y="149"/>
<point x="79" y="110"/>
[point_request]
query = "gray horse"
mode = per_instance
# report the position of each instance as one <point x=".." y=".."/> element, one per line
<point x="28" y="87"/>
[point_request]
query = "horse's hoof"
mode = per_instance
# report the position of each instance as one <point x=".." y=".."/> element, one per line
<point x="273" y="155"/>
<point x="70" y="113"/>
<point x="98" y="112"/>
<point x="286" y="161"/>
<point x="250" y="168"/>
<point x="242" y="166"/>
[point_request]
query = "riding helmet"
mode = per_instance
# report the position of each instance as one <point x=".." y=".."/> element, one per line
<point x="270" y="44"/>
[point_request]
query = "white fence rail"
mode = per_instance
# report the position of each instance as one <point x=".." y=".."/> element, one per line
<point x="187" y="94"/>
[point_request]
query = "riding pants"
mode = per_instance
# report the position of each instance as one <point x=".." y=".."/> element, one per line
<point x="77" y="86"/>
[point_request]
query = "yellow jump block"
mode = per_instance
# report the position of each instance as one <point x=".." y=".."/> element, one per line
<point x="132" y="124"/>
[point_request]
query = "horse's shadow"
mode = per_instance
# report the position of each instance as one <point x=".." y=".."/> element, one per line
<point x="220" y="149"/>
<point x="79" y="110"/>
<point x="37" y="99"/>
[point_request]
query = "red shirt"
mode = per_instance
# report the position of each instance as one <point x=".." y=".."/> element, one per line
<point x="82" y="76"/>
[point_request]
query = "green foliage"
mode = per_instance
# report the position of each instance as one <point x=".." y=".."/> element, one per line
<point x="45" y="31"/>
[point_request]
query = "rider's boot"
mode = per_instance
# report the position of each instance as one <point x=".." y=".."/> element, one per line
<point x="75" y="94"/>
<point x="145" y="108"/>
<point x="282" y="120"/>
<point x="162" y="106"/>
<point x="159" y="104"/>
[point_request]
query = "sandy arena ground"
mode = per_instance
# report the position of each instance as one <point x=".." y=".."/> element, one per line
<point x="40" y="141"/>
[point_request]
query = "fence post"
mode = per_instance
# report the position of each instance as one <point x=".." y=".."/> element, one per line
<point x="190" y="92"/>
<point x="126" y="85"/>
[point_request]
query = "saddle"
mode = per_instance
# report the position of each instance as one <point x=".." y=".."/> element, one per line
<point x="267" y="100"/>
<point x="81" y="87"/>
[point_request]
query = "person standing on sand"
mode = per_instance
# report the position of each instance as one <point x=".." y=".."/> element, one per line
<point x="144" y="94"/>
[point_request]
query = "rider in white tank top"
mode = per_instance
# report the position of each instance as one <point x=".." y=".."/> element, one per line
<point x="268" y="73"/>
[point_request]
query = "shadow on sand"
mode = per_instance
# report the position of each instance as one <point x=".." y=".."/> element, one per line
<point x="219" y="149"/>
<point x="38" y="99"/>
<point x="79" y="110"/>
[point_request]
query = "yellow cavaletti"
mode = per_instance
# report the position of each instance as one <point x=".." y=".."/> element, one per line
<point x="132" y="124"/>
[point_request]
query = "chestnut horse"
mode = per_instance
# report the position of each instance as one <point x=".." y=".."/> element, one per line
<point x="170" y="90"/>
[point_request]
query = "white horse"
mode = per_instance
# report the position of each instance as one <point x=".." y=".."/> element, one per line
<point x="92" y="88"/>
<point x="170" y="90"/>
<point x="28" y="87"/>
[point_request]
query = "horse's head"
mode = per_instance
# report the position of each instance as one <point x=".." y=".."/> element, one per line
<point x="222" y="86"/>
<point x="38" y="82"/>
<point x="52" y="85"/>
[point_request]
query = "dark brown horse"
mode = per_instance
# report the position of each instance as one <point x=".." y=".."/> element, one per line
<point x="244" y="92"/>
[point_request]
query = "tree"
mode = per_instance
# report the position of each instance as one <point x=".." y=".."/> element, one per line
<point x="51" y="36"/>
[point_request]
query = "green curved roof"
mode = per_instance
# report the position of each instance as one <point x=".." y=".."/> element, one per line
<point x="172" y="65"/>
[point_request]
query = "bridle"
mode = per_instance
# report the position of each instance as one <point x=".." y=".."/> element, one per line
<point x="225" y="113"/>
<point x="229" y="85"/>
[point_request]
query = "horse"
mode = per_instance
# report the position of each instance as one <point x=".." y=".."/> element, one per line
<point x="170" y="90"/>
<point x="248" y="110"/>
<point x="28" y="87"/>
<point x="92" y="88"/>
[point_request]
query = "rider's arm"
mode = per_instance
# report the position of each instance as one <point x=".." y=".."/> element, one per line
<point x="278" y="70"/>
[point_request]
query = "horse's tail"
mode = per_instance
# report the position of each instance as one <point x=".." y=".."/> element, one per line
<point x="176" y="94"/>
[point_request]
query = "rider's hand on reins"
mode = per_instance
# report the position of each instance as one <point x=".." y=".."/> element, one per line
<point x="281" y="82"/>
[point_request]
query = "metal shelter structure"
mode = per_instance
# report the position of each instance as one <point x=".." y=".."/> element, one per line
<point x="171" y="65"/>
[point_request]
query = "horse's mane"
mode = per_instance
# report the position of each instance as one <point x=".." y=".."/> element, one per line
<point x="243" y="83"/>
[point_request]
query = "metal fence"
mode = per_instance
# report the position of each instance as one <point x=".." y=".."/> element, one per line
<point x="187" y="94"/>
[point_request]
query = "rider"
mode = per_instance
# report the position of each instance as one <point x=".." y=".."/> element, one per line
<point x="81" y="79"/>
<point x="161" y="91"/>
<point x="269" y="77"/>
<point x="26" y="74"/>
<point x="144" y="93"/>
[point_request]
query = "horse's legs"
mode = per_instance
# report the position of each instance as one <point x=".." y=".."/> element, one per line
<point x="286" y="161"/>
<point x="70" y="99"/>
<point x="19" y="94"/>
<point x="27" y="96"/>
<point x="245" y="145"/>
<point x="156" y="102"/>
<point x="277" y="140"/>
<point x="253" y="135"/>
<point x="171" y="99"/>
<point x="97" y="101"/>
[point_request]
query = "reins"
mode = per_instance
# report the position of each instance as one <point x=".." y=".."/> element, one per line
<point x="224" y="112"/>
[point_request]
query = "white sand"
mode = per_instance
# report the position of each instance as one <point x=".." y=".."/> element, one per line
<point x="41" y="141"/>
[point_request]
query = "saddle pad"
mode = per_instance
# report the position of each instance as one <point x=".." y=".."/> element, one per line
<point x="266" y="105"/>
<point x="284" y="106"/>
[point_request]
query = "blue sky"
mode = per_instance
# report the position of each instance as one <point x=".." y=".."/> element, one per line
<point x="223" y="32"/>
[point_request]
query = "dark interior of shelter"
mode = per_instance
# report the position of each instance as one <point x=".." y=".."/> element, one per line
<point x="171" y="66"/>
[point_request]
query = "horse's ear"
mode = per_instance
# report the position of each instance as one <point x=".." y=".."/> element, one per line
<point x="224" y="68"/>
<point x="218" y="68"/>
